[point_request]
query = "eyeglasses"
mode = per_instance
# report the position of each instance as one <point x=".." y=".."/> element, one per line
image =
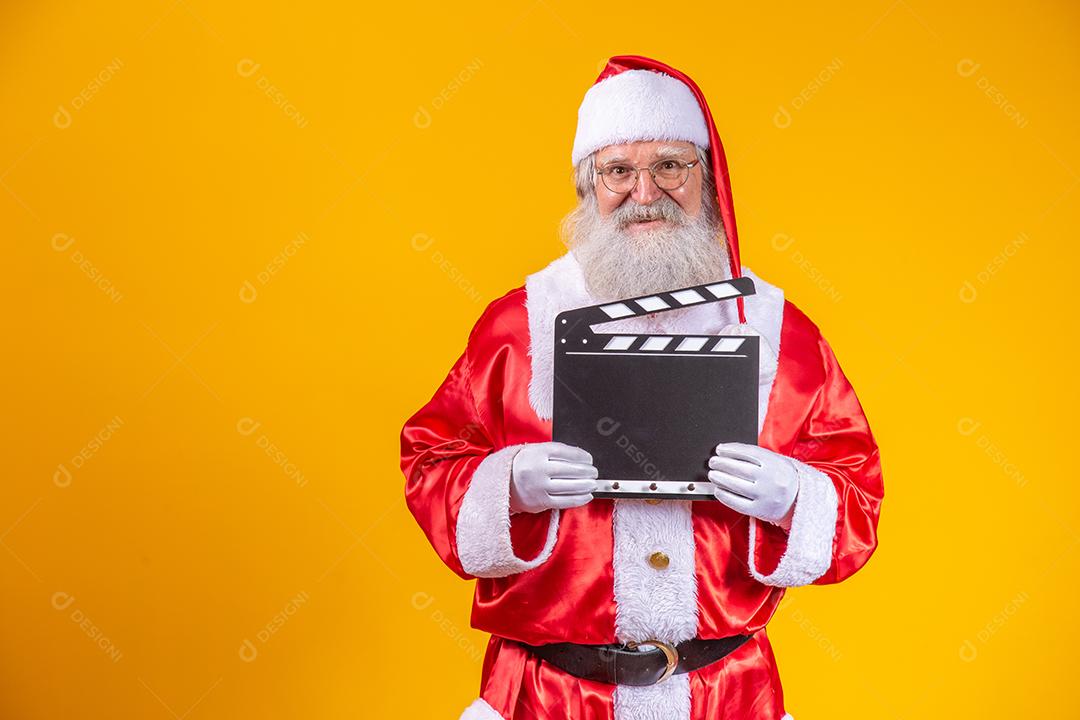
<point x="668" y="174"/>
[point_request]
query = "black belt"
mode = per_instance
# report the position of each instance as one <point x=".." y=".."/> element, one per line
<point x="620" y="664"/>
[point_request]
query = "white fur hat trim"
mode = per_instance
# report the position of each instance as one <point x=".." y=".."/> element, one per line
<point x="637" y="105"/>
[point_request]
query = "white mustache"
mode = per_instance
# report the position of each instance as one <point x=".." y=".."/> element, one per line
<point x="619" y="264"/>
<point x="663" y="209"/>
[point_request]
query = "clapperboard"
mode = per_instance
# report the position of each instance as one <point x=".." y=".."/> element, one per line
<point x="650" y="409"/>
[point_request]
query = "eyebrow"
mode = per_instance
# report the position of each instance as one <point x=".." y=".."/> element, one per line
<point x="670" y="151"/>
<point x="664" y="152"/>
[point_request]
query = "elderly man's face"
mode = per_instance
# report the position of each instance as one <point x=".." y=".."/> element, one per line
<point x="643" y="154"/>
<point x="647" y="240"/>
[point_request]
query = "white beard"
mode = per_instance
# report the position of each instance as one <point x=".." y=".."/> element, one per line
<point x="619" y="264"/>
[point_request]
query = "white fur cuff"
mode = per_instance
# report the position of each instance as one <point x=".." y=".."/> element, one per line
<point x="813" y="526"/>
<point x="483" y="526"/>
<point x="479" y="709"/>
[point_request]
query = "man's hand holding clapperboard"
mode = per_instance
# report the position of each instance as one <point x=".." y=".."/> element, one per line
<point x="660" y="416"/>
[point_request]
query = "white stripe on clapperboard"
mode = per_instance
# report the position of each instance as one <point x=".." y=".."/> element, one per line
<point x="683" y="297"/>
<point x="654" y="345"/>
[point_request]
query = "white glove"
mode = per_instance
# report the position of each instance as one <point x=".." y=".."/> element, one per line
<point x="755" y="481"/>
<point x="551" y="475"/>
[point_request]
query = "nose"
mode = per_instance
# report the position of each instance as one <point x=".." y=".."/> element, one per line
<point x="645" y="191"/>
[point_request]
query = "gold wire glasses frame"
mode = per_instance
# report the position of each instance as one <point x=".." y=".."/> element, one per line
<point x="668" y="174"/>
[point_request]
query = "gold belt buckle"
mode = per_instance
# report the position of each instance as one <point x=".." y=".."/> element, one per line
<point x="671" y="655"/>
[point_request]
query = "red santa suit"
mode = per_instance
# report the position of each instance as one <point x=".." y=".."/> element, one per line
<point x="584" y="575"/>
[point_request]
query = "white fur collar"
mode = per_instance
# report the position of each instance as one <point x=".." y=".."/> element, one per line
<point x="561" y="286"/>
<point x="558" y="287"/>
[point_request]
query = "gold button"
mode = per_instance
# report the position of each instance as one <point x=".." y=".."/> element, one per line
<point x="659" y="560"/>
<point x="653" y="501"/>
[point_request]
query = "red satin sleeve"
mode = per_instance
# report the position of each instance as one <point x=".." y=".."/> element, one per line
<point x="836" y="439"/>
<point x="463" y="423"/>
<point x="441" y="446"/>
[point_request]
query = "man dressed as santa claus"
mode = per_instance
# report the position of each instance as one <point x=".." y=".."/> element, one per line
<point x="639" y="608"/>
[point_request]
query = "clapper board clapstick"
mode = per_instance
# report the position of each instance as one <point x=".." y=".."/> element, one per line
<point x="651" y="408"/>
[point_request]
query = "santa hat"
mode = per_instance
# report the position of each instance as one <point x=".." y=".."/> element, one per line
<point x="638" y="98"/>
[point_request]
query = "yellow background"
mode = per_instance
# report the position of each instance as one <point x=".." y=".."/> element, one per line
<point x="244" y="243"/>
